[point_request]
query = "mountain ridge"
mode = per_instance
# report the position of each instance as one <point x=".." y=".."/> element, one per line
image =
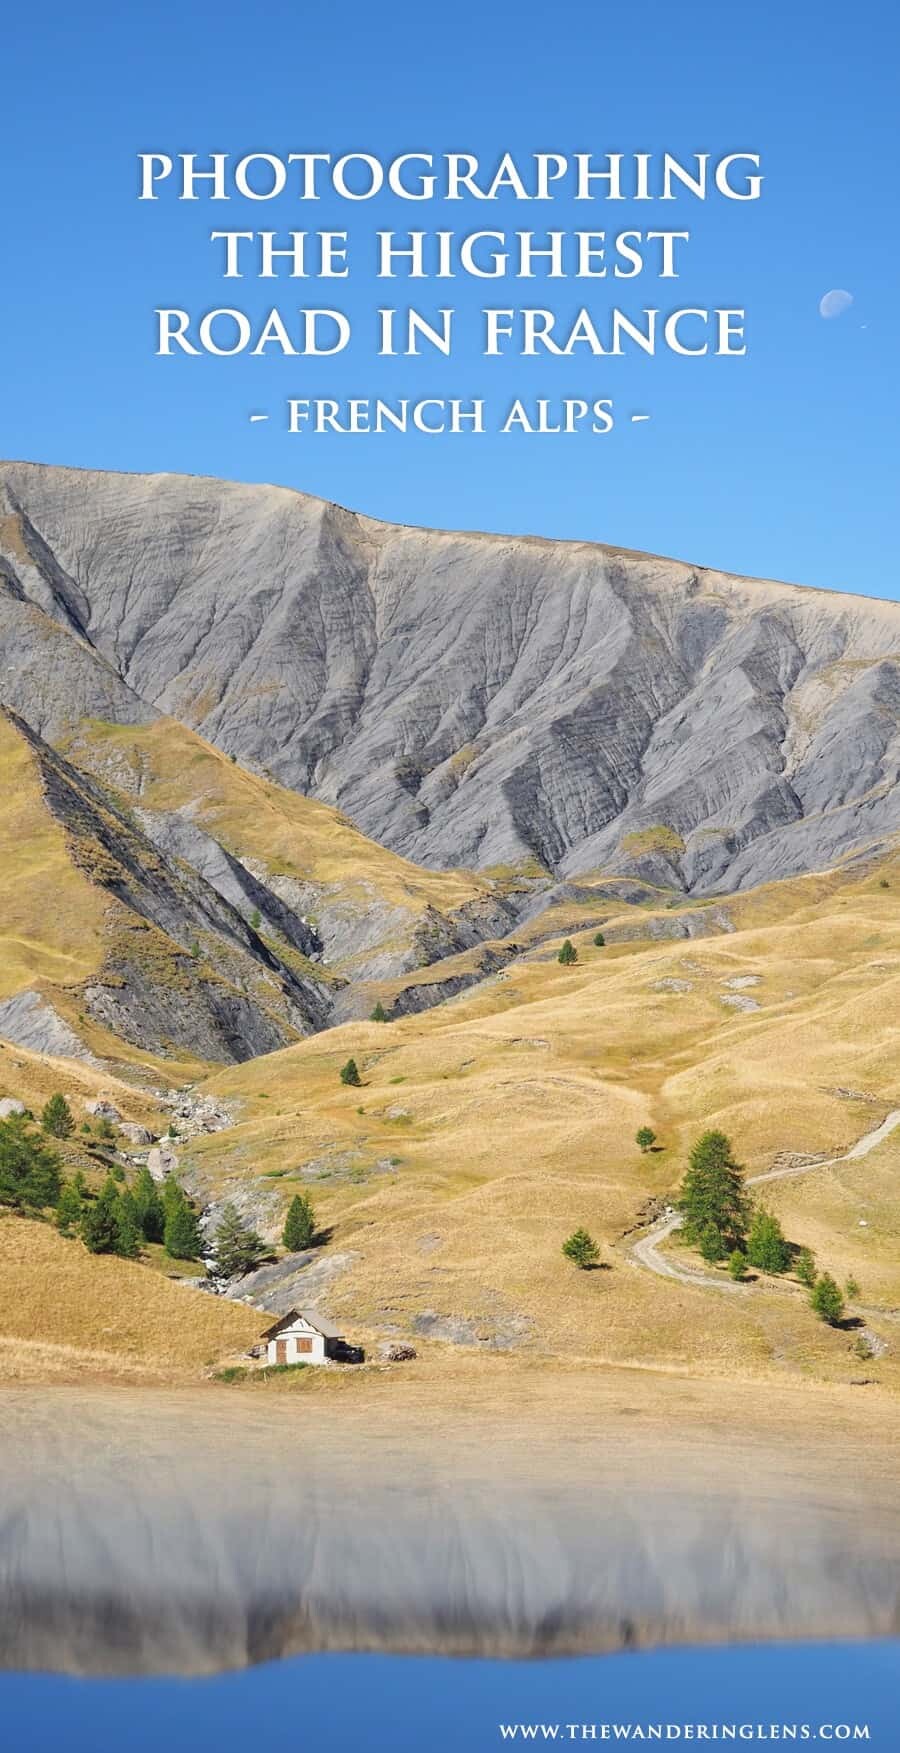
<point x="468" y="700"/>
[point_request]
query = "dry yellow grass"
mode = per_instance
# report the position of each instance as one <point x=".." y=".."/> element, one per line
<point x="65" y="1313"/>
<point x="511" y="1116"/>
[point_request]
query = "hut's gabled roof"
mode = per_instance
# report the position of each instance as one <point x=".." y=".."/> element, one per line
<point x="313" y="1319"/>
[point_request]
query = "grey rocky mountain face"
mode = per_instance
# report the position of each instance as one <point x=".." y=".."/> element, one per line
<point x="466" y="699"/>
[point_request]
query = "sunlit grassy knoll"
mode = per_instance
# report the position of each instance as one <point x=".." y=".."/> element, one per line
<point x="66" y="1312"/>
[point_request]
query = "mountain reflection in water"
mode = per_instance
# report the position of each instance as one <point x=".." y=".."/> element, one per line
<point x="162" y="1536"/>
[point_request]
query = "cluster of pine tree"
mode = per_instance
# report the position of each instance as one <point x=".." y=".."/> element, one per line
<point x="720" y="1220"/>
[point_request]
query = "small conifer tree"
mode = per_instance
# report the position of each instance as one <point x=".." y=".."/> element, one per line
<point x="100" y="1220"/>
<point x="299" y="1225"/>
<point x="853" y="1290"/>
<point x="645" y="1138"/>
<point x="767" y="1249"/>
<point x="581" y="1249"/>
<point x="568" y="954"/>
<point x="737" y="1264"/>
<point x="599" y="939"/>
<point x="29" y="1172"/>
<point x="56" y="1117"/>
<point x="69" y="1208"/>
<point x="826" y="1300"/>
<point x="350" y="1074"/>
<point x="713" y="1192"/>
<point x="128" y="1227"/>
<point x="151" y="1212"/>
<point x="711" y="1243"/>
<point x="379" y="1014"/>
<point x="806" y="1267"/>
<point x="238" y="1248"/>
<point x="181" y="1236"/>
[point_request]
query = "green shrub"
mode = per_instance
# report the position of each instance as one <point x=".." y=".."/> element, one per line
<point x="568" y="954"/>
<point x="737" y="1264"/>
<point x="645" y="1138"/>
<point x="599" y="939"/>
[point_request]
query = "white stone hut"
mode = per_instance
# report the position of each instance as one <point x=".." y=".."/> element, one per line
<point x="301" y="1336"/>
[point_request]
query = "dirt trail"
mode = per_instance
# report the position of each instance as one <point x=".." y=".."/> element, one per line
<point x="645" y="1252"/>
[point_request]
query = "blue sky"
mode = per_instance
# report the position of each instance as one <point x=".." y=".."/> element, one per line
<point x="781" y="464"/>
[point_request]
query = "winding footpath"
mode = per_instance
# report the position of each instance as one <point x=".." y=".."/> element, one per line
<point x="645" y="1251"/>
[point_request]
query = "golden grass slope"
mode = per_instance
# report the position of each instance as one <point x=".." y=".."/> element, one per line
<point x="169" y="767"/>
<point x="65" y="1313"/>
<point x="51" y="916"/>
<point x="487" y="1129"/>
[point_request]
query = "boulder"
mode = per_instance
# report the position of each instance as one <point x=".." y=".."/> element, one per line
<point x="11" y="1105"/>
<point x="102" y="1109"/>
<point x="136" y="1134"/>
<point x="393" y="1351"/>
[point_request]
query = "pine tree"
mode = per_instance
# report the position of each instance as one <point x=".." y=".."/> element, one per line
<point x="299" y="1225"/>
<point x="737" y="1264"/>
<point x="713" y="1192"/>
<point x="645" y="1137"/>
<point x="150" y="1209"/>
<point x="854" y="1292"/>
<point x="711" y="1243"/>
<point x="767" y="1249"/>
<point x="100" y="1220"/>
<point x="827" y="1301"/>
<point x="350" y="1074"/>
<point x="379" y="1014"/>
<point x="69" y="1209"/>
<point x="806" y="1267"/>
<point x="56" y="1117"/>
<point x="568" y="954"/>
<point x="128" y="1227"/>
<point x="599" y="939"/>
<point x="181" y="1236"/>
<point x="29" y="1172"/>
<point x="238" y="1248"/>
<point x="581" y="1248"/>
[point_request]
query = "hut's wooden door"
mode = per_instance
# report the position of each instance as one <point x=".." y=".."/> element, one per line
<point x="281" y="1351"/>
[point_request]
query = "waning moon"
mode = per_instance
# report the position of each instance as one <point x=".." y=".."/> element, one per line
<point x="835" y="303"/>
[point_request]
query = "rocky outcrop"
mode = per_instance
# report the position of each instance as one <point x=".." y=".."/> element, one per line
<point x="466" y="699"/>
<point x="181" y="966"/>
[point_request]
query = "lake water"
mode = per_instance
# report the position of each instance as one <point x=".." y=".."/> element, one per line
<point x="219" y="1576"/>
<point x="390" y="1704"/>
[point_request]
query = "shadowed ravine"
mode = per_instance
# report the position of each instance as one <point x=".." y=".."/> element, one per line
<point x="166" y="1535"/>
